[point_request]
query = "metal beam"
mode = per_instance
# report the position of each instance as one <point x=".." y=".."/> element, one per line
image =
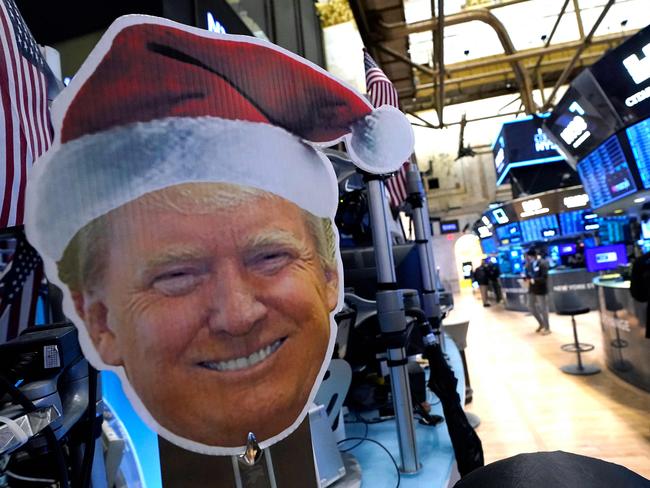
<point x="405" y="59"/>
<point x="581" y="29"/>
<point x="563" y="77"/>
<point x="401" y="29"/>
<point x="440" y="50"/>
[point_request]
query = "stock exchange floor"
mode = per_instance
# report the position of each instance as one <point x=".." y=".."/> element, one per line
<point x="527" y="404"/>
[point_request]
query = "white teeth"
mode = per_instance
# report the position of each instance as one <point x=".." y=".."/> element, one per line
<point x="244" y="362"/>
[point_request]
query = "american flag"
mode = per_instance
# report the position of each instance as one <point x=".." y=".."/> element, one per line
<point x="382" y="92"/>
<point x="25" y="130"/>
<point x="20" y="281"/>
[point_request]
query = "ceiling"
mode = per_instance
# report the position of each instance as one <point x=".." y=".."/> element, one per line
<point x="488" y="48"/>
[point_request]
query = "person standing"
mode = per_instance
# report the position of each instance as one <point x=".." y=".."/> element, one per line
<point x="482" y="277"/>
<point x="493" y="274"/>
<point x="537" y="277"/>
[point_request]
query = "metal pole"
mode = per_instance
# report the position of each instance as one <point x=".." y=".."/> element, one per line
<point x="392" y="322"/>
<point x="430" y="285"/>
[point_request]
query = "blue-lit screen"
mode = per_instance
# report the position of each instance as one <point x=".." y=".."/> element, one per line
<point x="605" y="174"/>
<point x="612" y="229"/>
<point x="534" y="229"/>
<point x="511" y="232"/>
<point x="572" y="222"/>
<point x="489" y="246"/>
<point x="639" y="137"/>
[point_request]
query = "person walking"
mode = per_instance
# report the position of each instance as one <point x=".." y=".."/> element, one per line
<point x="482" y="277"/>
<point x="537" y="278"/>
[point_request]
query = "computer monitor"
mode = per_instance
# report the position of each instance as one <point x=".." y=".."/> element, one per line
<point x="567" y="249"/>
<point x="603" y="258"/>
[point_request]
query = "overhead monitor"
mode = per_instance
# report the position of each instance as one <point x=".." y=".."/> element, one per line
<point x="603" y="258"/>
<point x="539" y="228"/>
<point x="582" y="119"/>
<point x="639" y="137"/>
<point x="624" y="76"/>
<point x="605" y="174"/>
<point x="522" y="142"/>
<point x="509" y="234"/>
<point x="572" y="222"/>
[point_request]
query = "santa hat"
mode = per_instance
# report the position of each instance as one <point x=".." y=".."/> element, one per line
<point x="158" y="104"/>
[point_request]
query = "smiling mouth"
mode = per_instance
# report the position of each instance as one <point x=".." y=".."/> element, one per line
<point x="237" y="364"/>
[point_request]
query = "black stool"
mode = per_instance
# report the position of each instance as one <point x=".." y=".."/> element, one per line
<point x="568" y="303"/>
<point x="618" y="344"/>
<point x="577" y="347"/>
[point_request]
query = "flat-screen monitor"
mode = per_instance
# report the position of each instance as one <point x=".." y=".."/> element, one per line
<point x="539" y="228"/>
<point x="605" y="174"/>
<point x="572" y="222"/>
<point x="612" y="229"/>
<point x="639" y="137"/>
<point x="603" y="258"/>
<point x="489" y="246"/>
<point x="567" y="249"/>
<point x="449" y="226"/>
<point x="510" y="233"/>
<point x="624" y="76"/>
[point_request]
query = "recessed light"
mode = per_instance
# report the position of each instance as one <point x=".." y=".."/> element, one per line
<point x="639" y="200"/>
<point x="618" y="211"/>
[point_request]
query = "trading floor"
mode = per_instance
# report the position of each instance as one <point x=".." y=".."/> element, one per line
<point x="527" y="404"/>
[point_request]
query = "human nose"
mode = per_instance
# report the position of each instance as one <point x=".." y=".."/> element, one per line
<point x="236" y="307"/>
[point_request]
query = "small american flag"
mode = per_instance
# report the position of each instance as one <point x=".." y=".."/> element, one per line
<point x="20" y="282"/>
<point x="25" y="130"/>
<point x="382" y="92"/>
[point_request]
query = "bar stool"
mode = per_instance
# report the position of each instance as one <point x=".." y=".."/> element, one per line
<point x="567" y="303"/>
<point x="613" y="305"/>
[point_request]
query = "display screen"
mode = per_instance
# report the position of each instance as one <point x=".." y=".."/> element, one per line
<point x="523" y="142"/>
<point x="566" y="249"/>
<point x="612" y="229"/>
<point x="645" y="229"/>
<point x="510" y="233"/>
<point x="583" y="118"/>
<point x="539" y="228"/>
<point x="639" y="137"/>
<point x="605" y="174"/>
<point x="624" y="76"/>
<point x="572" y="222"/>
<point x="604" y="258"/>
<point x="489" y="246"/>
<point x="448" y="226"/>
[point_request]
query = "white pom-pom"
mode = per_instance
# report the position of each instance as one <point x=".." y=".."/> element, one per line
<point x="382" y="141"/>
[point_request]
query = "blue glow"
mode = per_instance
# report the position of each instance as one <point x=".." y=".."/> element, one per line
<point x="530" y="162"/>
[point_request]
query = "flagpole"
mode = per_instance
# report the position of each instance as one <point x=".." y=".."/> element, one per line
<point x="392" y="322"/>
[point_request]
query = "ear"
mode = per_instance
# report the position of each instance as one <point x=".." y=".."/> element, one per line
<point x="94" y="313"/>
<point x="331" y="288"/>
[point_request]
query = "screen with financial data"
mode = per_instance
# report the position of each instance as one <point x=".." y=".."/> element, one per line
<point x="572" y="222"/>
<point x="605" y="174"/>
<point x="639" y="137"/>
<point x="510" y="232"/>
<point x="612" y="229"/>
<point x="539" y="228"/>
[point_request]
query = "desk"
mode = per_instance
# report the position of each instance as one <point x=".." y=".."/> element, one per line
<point x="515" y="292"/>
<point x="576" y="281"/>
<point x="623" y="319"/>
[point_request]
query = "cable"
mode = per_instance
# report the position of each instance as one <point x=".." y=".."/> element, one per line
<point x="363" y="439"/>
<point x="31" y="480"/>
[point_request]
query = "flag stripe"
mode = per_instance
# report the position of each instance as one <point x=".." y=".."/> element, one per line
<point x="382" y="92"/>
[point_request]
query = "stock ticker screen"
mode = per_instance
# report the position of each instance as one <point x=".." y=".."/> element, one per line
<point x="605" y="174"/>
<point x="639" y="137"/>
<point x="572" y="222"/>
<point x="539" y="228"/>
<point x="510" y="233"/>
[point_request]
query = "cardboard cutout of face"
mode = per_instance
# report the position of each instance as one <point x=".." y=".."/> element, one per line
<point x="187" y="213"/>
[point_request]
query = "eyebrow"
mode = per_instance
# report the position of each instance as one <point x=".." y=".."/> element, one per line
<point x="277" y="237"/>
<point x="170" y="256"/>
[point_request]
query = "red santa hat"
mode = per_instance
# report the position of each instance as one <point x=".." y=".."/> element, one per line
<point x="158" y="104"/>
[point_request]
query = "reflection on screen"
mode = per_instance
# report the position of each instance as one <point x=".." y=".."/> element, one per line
<point x="605" y="174"/>
<point x="639" y="137"/>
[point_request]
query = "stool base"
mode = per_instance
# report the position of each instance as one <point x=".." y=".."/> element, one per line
<point x="587" y="369"/>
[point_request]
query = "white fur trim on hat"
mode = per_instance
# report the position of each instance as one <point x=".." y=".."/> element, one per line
<point x="382" y="141"/>
<point x="85" y="178"/>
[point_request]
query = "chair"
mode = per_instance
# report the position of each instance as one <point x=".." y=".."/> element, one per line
<point x="568" y="303"/>
<point x="613" y="305"/>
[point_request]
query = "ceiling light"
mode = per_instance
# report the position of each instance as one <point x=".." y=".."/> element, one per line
<point x="639" y="200"/>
